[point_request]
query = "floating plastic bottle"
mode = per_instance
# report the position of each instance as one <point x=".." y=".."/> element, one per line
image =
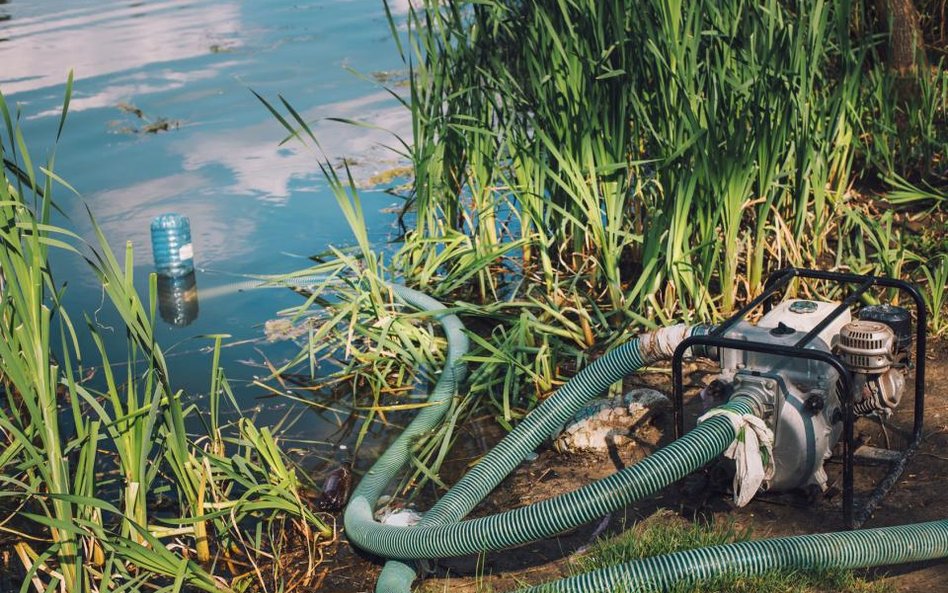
<point x="171" y="244"/>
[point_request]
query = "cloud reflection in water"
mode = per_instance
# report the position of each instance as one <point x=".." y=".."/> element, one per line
<point x="100" y="40"/>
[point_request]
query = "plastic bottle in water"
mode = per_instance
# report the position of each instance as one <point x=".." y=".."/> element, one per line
<point x="171" y="244"/>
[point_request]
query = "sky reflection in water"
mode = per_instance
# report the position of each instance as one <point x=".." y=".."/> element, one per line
<point x="255" y="207"/>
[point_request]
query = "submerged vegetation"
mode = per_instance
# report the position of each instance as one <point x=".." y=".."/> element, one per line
<point x="101" y="487"/>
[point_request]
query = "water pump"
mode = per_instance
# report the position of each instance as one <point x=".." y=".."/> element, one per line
<point x="812" y="368"/>
<point x="790" y="374"/>
<point x="800" y="397"/>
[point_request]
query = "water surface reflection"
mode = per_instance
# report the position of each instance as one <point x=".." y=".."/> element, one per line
<point x="178" y="299"/>
<point x="98" y="40"/>
<point x="250" y="200"/>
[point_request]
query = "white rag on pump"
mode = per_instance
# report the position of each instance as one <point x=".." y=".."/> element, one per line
<point x="752" y="452"/>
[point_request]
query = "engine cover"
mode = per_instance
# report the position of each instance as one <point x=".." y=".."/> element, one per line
<point x="803" y="315"/>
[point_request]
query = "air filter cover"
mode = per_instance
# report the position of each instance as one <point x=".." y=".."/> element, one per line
<point x="898" y="318"/>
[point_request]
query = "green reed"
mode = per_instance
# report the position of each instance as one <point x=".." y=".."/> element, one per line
<point x="647" y="148"/>
<point x="584" y="167"/>
<point x="88" y="443"/>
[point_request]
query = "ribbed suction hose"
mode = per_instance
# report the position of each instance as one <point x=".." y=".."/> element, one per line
<point x="840" y="550"/>
<point x="440" y="533"/>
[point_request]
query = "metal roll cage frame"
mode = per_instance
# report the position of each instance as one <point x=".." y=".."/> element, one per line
<point x="778" y="280"/>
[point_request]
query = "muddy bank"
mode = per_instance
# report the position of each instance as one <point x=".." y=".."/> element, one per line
<point x="704" y="496"/>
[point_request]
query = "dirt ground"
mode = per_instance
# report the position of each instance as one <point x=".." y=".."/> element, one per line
<point x="921" y="494"/>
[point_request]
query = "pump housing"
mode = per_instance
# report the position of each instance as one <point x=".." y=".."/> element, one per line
<point x="812" y="368"/>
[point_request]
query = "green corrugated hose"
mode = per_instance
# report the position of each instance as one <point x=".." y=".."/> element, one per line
<point x="841" y="550"/>
<point x="442" y="533"/>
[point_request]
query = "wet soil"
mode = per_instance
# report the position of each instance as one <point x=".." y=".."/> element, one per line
<point x="921" y="494"/>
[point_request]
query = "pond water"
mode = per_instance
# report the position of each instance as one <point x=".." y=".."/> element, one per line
<point x="162" y="119"/>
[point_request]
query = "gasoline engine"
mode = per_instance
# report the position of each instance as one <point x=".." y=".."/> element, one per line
<point x="800" y="398"/>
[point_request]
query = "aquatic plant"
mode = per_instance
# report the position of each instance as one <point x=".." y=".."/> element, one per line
<point x="89" y="445"/>
<point x="582" y="168"/>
